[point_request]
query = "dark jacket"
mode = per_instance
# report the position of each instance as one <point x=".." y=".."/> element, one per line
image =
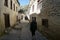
<point x="33" y="26"/>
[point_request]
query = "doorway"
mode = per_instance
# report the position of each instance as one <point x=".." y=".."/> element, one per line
<point x="7" y="20"/>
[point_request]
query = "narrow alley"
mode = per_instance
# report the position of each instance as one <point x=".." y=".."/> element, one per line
<point x="22" y="32"/>
<point x="29" y="19"/>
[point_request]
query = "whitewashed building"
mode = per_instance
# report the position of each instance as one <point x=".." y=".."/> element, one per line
<point x="34" y="6"/>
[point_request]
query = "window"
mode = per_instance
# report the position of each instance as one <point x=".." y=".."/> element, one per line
<point x="33" y="8"/>
<point x="6" y="3"/>
<point x="11" y="4"/>
<point x="45" y="22"/>
<point x="38" y="0"/>
<point x="14" y="7"/>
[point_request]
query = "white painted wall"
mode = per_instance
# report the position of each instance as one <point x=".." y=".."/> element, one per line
<point x="37" y="7"/>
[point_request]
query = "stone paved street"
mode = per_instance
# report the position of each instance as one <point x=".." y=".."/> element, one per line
<point x="24" y="34"/>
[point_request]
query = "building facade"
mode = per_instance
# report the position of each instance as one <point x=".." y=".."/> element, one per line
<point x="21" y="16"/>
<point x="49" y="16"/>
<point x="33" y="7"/>
<point x="8" y="13"/>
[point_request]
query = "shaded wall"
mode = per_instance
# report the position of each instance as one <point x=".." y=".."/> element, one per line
<point x="51" y="11"/>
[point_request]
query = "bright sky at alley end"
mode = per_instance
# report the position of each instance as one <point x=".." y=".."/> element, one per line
<point x="23" y="2"/>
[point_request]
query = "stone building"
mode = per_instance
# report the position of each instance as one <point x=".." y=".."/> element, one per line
<point x="50" y="15"/>
<point x="34" y="9"/>
<point x="8" y="13"/>
<point x="21" y="16"/>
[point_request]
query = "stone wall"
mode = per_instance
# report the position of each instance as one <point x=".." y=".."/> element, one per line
<point x="51" y="11"/>
<point x="7" y="10"/>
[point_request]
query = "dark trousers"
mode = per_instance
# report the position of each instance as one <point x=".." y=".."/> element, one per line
<point x="33" y="33"/>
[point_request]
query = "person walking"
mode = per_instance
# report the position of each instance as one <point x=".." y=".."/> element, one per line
<point x="33" y="26"/>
